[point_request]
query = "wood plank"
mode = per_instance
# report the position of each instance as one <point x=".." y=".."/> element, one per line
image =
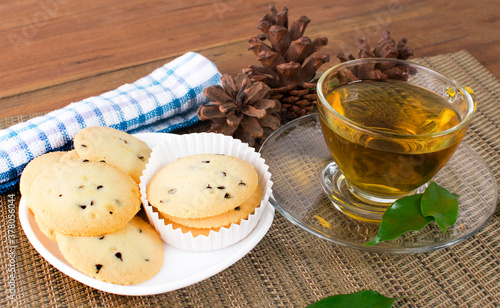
<point x="91" y="47"/>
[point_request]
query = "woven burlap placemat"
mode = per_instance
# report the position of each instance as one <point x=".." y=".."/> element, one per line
<point x="290" y="267"/>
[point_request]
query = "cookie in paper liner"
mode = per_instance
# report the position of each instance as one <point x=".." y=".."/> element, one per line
<point x="205" y="143"/>
<point x="202" y="185"/>
<point x="225" y="219"/>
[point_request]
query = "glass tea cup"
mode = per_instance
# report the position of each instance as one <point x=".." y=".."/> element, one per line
<point x="390" y="126"/>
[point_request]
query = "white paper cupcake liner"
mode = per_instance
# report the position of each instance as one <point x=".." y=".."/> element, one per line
<point x="200" y="143"/>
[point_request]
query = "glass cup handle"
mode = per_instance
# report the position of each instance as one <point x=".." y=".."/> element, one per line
<point x="471" y="92"/>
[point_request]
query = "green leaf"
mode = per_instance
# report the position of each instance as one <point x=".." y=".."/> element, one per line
<point x="440" y="204"/>
<point x="361" y="299"/>
<point x="402" y="216"/>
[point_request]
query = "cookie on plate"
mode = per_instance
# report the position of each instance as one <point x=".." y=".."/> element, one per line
<point x="233" y="216"/>
<point x="202" y="185"/>
<point x="130" y="255"/>
<point x="33" y="169"/>
<point x="49" y="233"/>
<point x="70" y="155"/>
<point x="115" y="147"/>
<point x="83" y="198"/>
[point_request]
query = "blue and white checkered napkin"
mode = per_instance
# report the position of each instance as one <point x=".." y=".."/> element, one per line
<point x="163" y="101"/>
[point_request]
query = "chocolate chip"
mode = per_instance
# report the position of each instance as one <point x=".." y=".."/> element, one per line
<point x="208" y="186"/>
<point x="99" y="187"/>
<point x="83" y="146"/>
<point x="147" y="260"/>
<point x="223" y="173"/>
<point x="221" y="187"/>
<point x="102" y="161"/>
<point x="85" y="160"/>
<point x="227" y="196"/>
<point x="92" y="202"/>
<point x="124" y="141"/>
<point x="205" y="161"/>
<point x="119" y="256"/>
<point x="140" y="230"/>
<point x="242" y="183"/>
<point x="60" y="195"/>
<point x="172" y="191"/>
<point x="98" y="268"/>
<point x="161" y="201"/>
<point x="81" y="186"/>
<point x="237" y="208"/>
<point x="102" y="237"/>
<point x="82" y="206"/>
<point x="110" y="212"/>
<point x="141" y="157"/>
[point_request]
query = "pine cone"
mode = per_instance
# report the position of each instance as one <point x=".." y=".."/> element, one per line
<point x="289" y="64"/>
<point x="241" y="108"/>
<point x="386" y="48"/>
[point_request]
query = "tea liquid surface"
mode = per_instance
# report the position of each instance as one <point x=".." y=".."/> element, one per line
<point x="394" y="106"/>
<point x="388" y="164"/>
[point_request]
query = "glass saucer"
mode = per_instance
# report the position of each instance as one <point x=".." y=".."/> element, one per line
<point x="297" y="154"/>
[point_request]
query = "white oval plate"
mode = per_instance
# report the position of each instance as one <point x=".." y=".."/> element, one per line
<point x="180" y="269"/>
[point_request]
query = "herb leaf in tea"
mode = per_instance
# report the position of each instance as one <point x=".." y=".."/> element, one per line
<point x="360" y="299"/>
<point x="440" y="204"/>
<point x="412" y="213"/>
<point x="402" y="216"/>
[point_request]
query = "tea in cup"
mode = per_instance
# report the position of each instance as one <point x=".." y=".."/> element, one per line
<point x="390" y="126"/>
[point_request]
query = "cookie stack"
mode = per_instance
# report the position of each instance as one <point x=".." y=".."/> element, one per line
<point x="205" y="192"/>
<point x="87" y="200"/>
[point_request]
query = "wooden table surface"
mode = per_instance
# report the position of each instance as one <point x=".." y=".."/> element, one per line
<point x="55" y="52"/>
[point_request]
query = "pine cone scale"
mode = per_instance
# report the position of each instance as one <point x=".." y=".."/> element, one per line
<point x="222" y="127"/>
<point x="252" y="127"/>
<point x="282" y="18"/>
<point x="299" y="50"/>
<point x="210" y="112"/>
<point x="234" y="120"/>
<point x="299" y="27"/>
<point x="270" y="121"/>
<point x="272" y="105"/>
<point x="257" y="92"/>
<point x="227" y="107"/>
<point x="229" y="86"/>
<point x="217" y="94"/>
<point x="253" y="112"/>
